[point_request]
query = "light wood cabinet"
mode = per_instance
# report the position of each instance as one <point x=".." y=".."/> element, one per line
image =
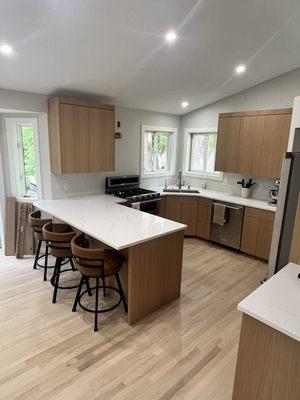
<point x="227" y="144"/>
<point x="257" y="232"/>
<point x="183" y="209"/>
<point x="253" y="143"/>
<point x="195" y="212"/>
<point x="204" y="218"/>
<point x="268" y="366"/>
<point x="81" y="136"/>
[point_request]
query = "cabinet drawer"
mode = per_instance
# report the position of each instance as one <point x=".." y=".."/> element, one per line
<point x="261" y="214"/>
<point x="182" y="200"/>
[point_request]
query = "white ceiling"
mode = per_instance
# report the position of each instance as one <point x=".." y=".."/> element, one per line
<point x="115" y="49"/>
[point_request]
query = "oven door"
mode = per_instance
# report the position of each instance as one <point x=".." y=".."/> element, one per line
<point x="148" y="206"/>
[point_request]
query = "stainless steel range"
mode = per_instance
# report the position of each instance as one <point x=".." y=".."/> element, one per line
<point x="128" y="188"/>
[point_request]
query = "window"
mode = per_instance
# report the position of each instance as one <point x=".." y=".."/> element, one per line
<point x="200" y="153"/>
<point x="21" y="138"/>
<point x="158" y="151"/>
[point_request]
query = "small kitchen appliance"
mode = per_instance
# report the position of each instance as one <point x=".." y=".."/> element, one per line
<point x="273" y="193"/>
<point x="128" y="188"/>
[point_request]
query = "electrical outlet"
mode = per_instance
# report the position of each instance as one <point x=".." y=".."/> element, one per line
<point x="66" y="186"/>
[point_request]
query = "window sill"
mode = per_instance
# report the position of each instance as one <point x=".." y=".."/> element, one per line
<point x="204" y="176"/>
<point x="157" y="175"/>
<point x="23" y="199"/>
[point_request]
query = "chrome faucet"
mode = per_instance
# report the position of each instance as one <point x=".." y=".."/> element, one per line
<point x="180" y="182"/>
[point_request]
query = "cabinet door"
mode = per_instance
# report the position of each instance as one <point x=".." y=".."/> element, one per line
<point x="204" y="218"/>
<point x="173" y="211"/>
<point x="102" y="141"/>
<point x="162" y="207"/>
<point x="250" y="144"/>
<point x="189" y="218"/>
<point x="257" y="232"/>
<point x="227" y="144"/>
<point x="75" y="139"/>
<point x="275" y="140"/>
<point x="249" y="235"/>
<point x="264" y="239"/>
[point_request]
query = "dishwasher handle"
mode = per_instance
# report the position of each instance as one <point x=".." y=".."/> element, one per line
<point x="231" y="207"/>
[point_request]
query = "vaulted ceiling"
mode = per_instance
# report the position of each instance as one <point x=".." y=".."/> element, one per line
<point x="116" y="50"/>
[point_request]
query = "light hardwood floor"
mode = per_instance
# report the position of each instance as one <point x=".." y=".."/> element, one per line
<point x="185" y="351"/>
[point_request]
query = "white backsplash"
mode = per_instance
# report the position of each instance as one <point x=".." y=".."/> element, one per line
<point x="71" y="185"/>
<point x="259" y="191"/>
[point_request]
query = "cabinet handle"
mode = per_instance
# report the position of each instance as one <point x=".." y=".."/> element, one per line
<point x="231" y="207"/>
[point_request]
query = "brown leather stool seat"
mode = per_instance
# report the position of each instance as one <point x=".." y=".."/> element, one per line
<point x="99" y="264"/>
<point x="36" y="223"/>
<point x="58" y="237"/>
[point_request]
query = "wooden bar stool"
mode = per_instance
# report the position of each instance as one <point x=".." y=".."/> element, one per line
<point x="58" y="237"/>
<point x="36" y="223"/>
<point x="99" y="264"/>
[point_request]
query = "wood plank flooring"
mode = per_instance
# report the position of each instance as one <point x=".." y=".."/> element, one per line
<point x="185" y="351"/>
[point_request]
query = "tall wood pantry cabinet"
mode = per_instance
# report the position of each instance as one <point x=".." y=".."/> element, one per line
<point x="81" y="135"/>
<point x="253" y="143"/>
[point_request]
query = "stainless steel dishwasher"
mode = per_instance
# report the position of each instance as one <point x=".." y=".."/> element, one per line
<point x="227" y="224"/>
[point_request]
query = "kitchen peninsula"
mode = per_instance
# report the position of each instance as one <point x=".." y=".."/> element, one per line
<point x="152" y="246"/>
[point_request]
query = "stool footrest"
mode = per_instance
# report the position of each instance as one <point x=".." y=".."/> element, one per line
<point x="92" y="310"/>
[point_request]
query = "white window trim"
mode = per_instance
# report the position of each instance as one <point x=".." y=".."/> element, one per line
<point x="171" y="150"/>
<point x="187" y="154"/>
<point x="11" y="124"/>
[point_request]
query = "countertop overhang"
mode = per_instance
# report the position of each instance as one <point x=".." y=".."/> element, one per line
<point x="101" y="217"/>
<point x="277" y="302"/>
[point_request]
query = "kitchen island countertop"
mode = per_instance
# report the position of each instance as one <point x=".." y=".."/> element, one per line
<point x="101" y="217"/>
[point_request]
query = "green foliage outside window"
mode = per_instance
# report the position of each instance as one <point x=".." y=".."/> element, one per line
<point x="28" y="151"/>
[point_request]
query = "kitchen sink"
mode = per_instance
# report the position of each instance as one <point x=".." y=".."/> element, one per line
<point x="175" y="190"/>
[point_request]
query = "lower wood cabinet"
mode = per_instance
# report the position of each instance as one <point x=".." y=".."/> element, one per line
<point x="204" y="218"/>
<point x="257" y="232"/>
<point x="183" y="209"/>
<point x="195" y="212"/>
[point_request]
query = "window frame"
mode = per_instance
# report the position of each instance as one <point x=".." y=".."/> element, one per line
<point x="171" y="150"/>
<point x="217" y="175"/>
<point x="13" y="125"/>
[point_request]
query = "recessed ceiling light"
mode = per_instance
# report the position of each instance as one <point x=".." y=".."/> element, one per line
<point x="6" y="49"/>
<point x="184" y="104"/>
<point x="240" y="69"/>
<point x="171" y="37"/>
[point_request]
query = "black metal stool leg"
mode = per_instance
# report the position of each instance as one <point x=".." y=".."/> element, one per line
<point x="78" y="293"/>
<point x="56" y="280"/>
<point x="96" y="305"/>
<point x="88" y="286"/>
<point x="46" y="263"/>
<point x="72" y="264"/>
<point x="37" y="254"/>
<point x="121" y="292"/>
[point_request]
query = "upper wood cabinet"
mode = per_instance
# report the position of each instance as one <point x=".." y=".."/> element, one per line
<point x="81" y="136"/>
<point x="253" y="143"/>
<point x="227" y="143"/>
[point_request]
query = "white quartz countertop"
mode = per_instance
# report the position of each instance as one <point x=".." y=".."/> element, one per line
<point x="101" y="217"/>
<point x="277" y="302"/>
<point x="222" y="196"/>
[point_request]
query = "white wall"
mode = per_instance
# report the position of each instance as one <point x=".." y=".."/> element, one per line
<point x="275" y="93"/>
<point x="22" y="102"/>
<point x="127" y="153"/>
